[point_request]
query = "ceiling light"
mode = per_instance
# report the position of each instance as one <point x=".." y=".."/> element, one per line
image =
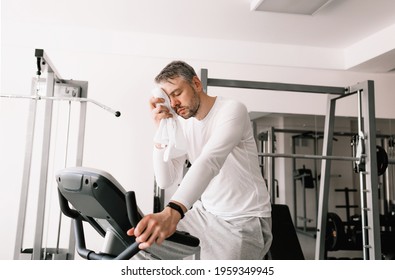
<point x="303" y="7"/>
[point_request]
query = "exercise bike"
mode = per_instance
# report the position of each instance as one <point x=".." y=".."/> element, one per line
<point x="98" y="199"/>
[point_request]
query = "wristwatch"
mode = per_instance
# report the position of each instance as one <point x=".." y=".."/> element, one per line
<point x="176" y="207"/>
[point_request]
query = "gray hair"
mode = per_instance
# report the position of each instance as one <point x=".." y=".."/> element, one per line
<point x="176" y="69"/>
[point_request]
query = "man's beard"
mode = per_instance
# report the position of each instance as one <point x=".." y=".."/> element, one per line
<point x="193" y="108"/>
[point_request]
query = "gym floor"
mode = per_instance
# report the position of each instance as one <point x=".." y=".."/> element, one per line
<point x="308" y="247"/>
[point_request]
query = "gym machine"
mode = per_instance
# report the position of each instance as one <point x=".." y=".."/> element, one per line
<point x="309" y="177"/>
<point x="99" y="200"/>
<point x="37" y="179"/>
<point x="365" y="159"/>
<point x="349" y="234"/>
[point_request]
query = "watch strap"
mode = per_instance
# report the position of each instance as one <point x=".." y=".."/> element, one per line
<point x="176" y="207"/>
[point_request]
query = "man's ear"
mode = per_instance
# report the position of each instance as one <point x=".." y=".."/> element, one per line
<point x="197" y="84"/>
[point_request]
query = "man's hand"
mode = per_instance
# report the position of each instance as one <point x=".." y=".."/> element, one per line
<point x="155" y="228"/>
<point x="159" y="111"/>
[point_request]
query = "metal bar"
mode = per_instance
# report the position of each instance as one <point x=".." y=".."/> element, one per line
<point x="304" y="133"/>
<point x="275" y="86"/>
<point x="321" y="133"/>
<point x="325" y="180"/>
<point x="272" y="166"/>
<point x="61" y="98"/>
<point x="204" y="78"/>
<point x="315" y="140"/>
<point x="269" y="85"/>
<point x="348" y="92"/>
<point x="386" y="184"/>
<point x="44" y="169"/>
<point x="323" y="157"/>
<point x="372" y="199"/>
<point x="26" y="176"/>
<point x="80" y="153"/>
<point x="304" y="205"/>
<point x="362" y="182"/>
<point x="78" y="99"/>
<point x="82" y="123"/>
<point x="295" y="192"/>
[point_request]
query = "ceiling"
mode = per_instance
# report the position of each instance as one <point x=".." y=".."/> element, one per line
<point x="340" y="24"/>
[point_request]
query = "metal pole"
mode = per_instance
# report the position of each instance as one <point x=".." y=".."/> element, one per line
<point x="304" y="205"/>
<point x="80" y="152"/>
<point x="44" y="170"/>
<point x="295" y="192"/>
<point x="62" y="98"/>
<point x="322" y="157"/>
<point x="386" y="183"/>
<point x="275" y="86"/>
<point x="371" y="176"/>
<point x="26" y="176"/>
<point x="325" y="180"/>
<point x="271" y="165"/>
<point x="361" y="143"/>
<point x="204" y="78"/>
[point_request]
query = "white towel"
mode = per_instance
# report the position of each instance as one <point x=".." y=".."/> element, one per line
<point x="169" y="133"/>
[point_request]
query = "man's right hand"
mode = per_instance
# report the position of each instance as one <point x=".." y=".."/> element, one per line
<point x="155" y="228"/>
<point x="159" y="111"/>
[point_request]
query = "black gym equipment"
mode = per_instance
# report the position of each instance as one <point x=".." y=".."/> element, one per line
<point x="335" y="234"/>
<point x="382" y="160"/>
<point x="98" y="199"/>
<point x="347" y="236"/>
<point x="285" y="245"/>
<point x="305" y="176"/>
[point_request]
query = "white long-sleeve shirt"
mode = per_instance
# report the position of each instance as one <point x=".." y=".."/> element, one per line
<point x="225" y="171"/>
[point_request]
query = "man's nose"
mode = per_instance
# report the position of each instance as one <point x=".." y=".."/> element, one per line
<point x="174" y="102"/>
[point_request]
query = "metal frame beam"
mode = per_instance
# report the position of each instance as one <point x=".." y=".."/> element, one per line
<point x="268" y="85"/>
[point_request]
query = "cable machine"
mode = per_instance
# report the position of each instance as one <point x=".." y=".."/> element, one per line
<point x="365" y="159"/>
<point x="57" y="89"/>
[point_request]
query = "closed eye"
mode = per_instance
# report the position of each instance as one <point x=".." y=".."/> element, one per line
<point x="176" y="93"/>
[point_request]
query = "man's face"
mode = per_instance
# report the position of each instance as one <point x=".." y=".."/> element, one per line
<point x="184" y="98"/>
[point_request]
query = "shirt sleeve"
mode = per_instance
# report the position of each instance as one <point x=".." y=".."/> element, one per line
<point x="226" y="135"/>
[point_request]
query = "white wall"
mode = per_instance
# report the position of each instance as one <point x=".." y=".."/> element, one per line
<point x="120" y="68"/>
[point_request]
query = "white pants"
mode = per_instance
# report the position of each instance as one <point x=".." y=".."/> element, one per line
<point x="239" y="239"/>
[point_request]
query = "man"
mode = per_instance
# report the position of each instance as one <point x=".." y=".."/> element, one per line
<point x="223" y="195"/>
